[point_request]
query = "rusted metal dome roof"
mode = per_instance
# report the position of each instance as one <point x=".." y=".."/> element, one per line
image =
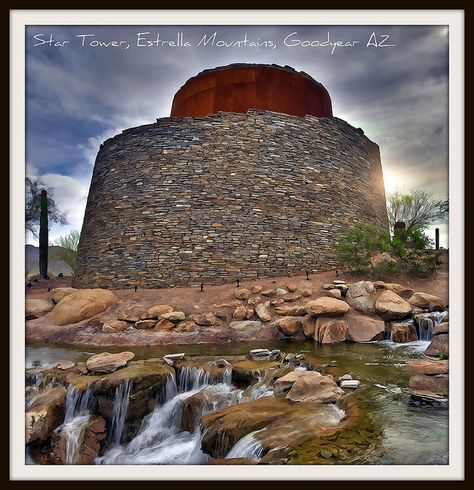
<point x="240" y="87"/>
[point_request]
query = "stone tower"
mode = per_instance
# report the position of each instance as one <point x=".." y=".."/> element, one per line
<point x="250" y="176"/>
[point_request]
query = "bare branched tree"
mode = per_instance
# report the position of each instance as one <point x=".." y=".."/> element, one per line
<point x="32" y="206"/>
<point x="417" y="209"/>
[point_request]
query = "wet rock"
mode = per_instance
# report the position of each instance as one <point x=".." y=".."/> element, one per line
<point x="205" y="320"/>
<point x="239" y="313"/>
<point x="308" y="322"/>
<point x="172" y="358"/>
<point x="307" y="386"/>
<point x="156" y="311"/>
<point x="430" y="386"/>
<point x="132" y="313"/>
<point x="288" y="325"/>
<point x="173" y="316"/>
<point x="330" y="330"/>
<point x="245" y="373"/>
<point x="439" y="346"/>
<point x="108" y="363"/>
<point x="290" y="310"/>
<point x="402" y="332"/>
<point x="45" y="413"/>
<point x="362" y="328"/>
<point x="334" y="293"/>
<point x="390" y="306"/>
<point x="402" y="291"/>
<point x="242" y="293"/>
<point x="64" y="365"/>
<point x="361" y="296"/>
<point x="263" y="312"/>
<point x="249" y="326"/>
<point x="350" y="383"/>
<point x="58" y="294"/>
<point x="259" y="354"/>
<point x="35" y="308"/>
<point x="327" y="306"/>
<point x="443" y="327"/>
<point x="427" y="301"/>
<point x="163" y="325"/>
<point x="257" y="289"/>
<point x="115" y="326"/>
<point x="145" y="324"/>
<point x="428" y="367"/>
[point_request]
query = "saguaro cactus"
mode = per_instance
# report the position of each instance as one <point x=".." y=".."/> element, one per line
<point x="43" y="235"/>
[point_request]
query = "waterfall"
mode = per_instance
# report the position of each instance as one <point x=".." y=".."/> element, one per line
<point x="119" y="411"/>
<point x="259" y="389"/>
<point x="191" y="378"/>
<point x="227" y="376"/>
<point x="426" y="323"/>
<point x="247" y="447"/>
<point x="77" y="403"/>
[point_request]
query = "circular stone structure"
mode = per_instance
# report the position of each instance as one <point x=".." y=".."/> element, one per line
<point x="240" y="87"/>
<point x="213" y="198"/>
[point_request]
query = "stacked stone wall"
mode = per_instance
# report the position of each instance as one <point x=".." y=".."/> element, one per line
<point x="226" y="196"/>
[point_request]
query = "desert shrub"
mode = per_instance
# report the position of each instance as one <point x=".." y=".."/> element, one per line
<point x="68" y="251"/>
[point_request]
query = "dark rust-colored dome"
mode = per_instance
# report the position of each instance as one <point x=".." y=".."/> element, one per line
<point x="240" y="87"/>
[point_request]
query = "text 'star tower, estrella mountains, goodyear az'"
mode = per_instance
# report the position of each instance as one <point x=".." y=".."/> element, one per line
<point x="251" y="175"/>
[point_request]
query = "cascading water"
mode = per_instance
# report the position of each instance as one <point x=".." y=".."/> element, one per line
<point x="119" y="411"/>
<point x="426" y="323"/>
<point x="247" y="447"/>
<point x="191" y="378"/>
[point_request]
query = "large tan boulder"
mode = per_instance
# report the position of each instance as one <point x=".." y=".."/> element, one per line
<point x="205" y="320"/>
<point x="362" y="328"/>
<point x="247" y="326"/>
<point x="428" y="367"/>
<point x="164" y="325"/>
<point x="173" y="316"/>
<point x="239" y="313"/>
<point x="108" y="363"/>
<point x="309" y="386"/>
<point x="290" y="310"/>
<point x="427" y="301"/>
<point x="242" y="293"/>
<point x="36" y="307"/>
<point x="156" y="311"/>
<point x="288" y="325"/>
<point x="263" y="312"/>
<point x="145" y="324"/>
<point x="308" y="322"/>
<point x="58" y="294"/>
<point x="115" y="326"/>
<point x="390" y="306"/>
<point x="439" y="346"/>
<point x="361" y="296"/>
<point x="330" y="330"/>
<point x="327" y="306"/>
<point x="430" y="386"/>
<point x="45" y="413"/>
<point x="132" y="313"/>
<point x="82" y="304"/>
<point x="404" y="291"/>
<point x="443" y="327"/>
<point x="403" y="332"/>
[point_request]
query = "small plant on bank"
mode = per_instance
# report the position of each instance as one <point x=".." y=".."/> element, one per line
<point x="442" y="356"/>
<point x="68" y="248"/>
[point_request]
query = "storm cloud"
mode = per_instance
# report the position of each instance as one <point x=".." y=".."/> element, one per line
<point x="80" y="92"/>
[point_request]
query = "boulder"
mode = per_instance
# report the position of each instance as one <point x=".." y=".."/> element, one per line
<point x="156" y="311"/>
<point x="350" y="383"/>
<point x="257" y="289"/>
<point x="288" y="325"/>
<point x="361" y="296"/>
<point x="242" y="293"/>
<point x="163" y="325"/>
<point x="443" y="327"/>
<point x="291" y="288"/>
<point x="205" y="320"/>
<point x="290" y="310"/>
<point x="248" y="326"/>
<point x="247" y="372"/>
<point x="172" y="358"/>
<point x="45" y="413"/>
<point x="334" y="293"/>
<point x="362" y="328"/>
<point x="82" y="304"/>
<point x="427" y="301"/>
<point x="268" y="292"/>
<point x="390" y="306"/>
<point x="430" y="386"/>
<point x="402" y="291"/>
<point x="186" y="326"/>
<point x="36" y="307"/>
<point x="281" y="292"/>
<point x="330" y="330"/>
<point x="239" y="313"/>
<point x="307" y="386"/>
<point x="65" y="365"/>
<point x="308" y="322"/>
<point x="115" y="326"/>
<point x="327" y="306"/>
<point x="429" y="367"/>
<point x="58" y="294"/>
<point x="263" y="312"/>
<point x="256" y="354"/>
<point x="292" y="297"/>
<point x="255" y="300"/>
<point x="108" y="363"/>
<point x="145" y="324"/>
<point x="249" y="313"/>
<point x="403" y="332"/>
<point x="131" y="314"/>
<point x="173" y="316"/>
<point x="439" y="346"/>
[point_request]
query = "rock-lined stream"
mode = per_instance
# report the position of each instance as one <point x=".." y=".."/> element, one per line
<point x="391" y="427"/>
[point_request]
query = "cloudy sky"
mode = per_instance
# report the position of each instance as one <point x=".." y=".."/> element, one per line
<point x="81" y="91"/>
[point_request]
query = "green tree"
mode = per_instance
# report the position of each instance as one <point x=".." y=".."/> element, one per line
<point x="68" y="251"/>
<point x="418" y="209"/>
<point x="33" y="188"/>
